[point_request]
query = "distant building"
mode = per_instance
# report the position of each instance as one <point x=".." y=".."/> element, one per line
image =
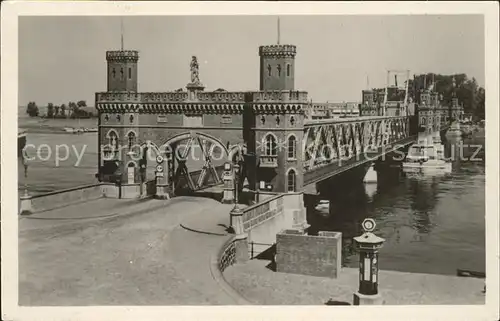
<point x="332" y="110"/>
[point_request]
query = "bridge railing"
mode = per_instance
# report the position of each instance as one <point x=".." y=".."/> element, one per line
<point x="333" y="145"/>
<point x="264" y="210"/>
<point x="315" y="122"/>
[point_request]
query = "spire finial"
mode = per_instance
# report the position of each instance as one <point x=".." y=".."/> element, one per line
<point x="367" y="82"/>
<point x="278" y="30"/>
<point x="121" y="32"/>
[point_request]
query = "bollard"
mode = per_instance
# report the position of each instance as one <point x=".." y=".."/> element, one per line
<point x="228" y="178"/>
<point x="26" y="206"/>
<point x="368" y="245"/>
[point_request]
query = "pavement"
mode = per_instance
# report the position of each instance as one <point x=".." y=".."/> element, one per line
<point x="119" y="252"/>
<point x="260" y="285"/>
<point x="158" y="252"/>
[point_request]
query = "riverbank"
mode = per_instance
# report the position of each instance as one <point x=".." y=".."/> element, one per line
<point x="53" y="126"/>
<point x="260" y="285"/>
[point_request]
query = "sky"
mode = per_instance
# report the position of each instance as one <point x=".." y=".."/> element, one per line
<point x="62" y="59"/>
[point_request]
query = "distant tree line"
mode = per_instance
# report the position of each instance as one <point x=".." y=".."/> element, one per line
<point x="72" y="110"/>
<point x="468" y="92"/>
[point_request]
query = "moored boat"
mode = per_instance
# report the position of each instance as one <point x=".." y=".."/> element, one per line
<point x="424" y="157"/>
<point x="323" y="205"/>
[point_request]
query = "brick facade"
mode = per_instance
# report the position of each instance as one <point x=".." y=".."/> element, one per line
<point x="228" y="119"/>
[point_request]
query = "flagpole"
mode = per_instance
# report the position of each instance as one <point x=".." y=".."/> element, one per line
<point x="278" y="26"/>
<point x="121" y="32"/>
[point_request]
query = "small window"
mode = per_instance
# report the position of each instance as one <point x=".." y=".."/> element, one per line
<point x="291" y="181"/>
<point x="129" y="73"/>
<point x="106" y="118"/>
<point x="113" y="72"/>
<point x="131" y="119"/>
<point x="121" y="73"/>
<point x="269" y="70"/>
<point x="131" y="140"/>
<point x="270" y="145"/>
<point x="279" y="70"/>
<point x="118" y="117"/>
<point x="226" y="119"/>
<point x="112" y="139"/>
<point x="162" y="119"/>
<point x="292" y="147"/>
<point x="288" y="70"/>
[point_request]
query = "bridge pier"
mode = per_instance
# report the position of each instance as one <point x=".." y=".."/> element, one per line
<point x="371" y="175"/>
<point x="296" y="211"/>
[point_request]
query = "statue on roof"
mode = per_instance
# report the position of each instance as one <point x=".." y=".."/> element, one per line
<point x="195" y="76"/>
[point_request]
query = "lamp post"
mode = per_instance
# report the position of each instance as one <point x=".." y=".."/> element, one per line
<point x="118" y="174"/>
<point x="236" y="214"/>
<point x="25" y="206"/>
<point x="368" y="245"/>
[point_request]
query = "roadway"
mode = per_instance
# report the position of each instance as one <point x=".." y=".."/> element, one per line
<point x="119" y="252"/>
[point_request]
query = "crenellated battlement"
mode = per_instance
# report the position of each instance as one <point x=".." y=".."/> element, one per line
<point x="278" y="51"/>
<point x="122" y="55"/>
<point x="206" y="97"/>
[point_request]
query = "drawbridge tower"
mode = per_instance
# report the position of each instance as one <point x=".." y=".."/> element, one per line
<point x="277" y="119"/>
<point x="118" y="124"/>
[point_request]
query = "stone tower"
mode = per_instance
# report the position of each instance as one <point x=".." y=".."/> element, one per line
<point x="122" y="70"/>
<point x="277" y="67"/>
<point x="276" y="122"/>
<point x="118" y="127"/>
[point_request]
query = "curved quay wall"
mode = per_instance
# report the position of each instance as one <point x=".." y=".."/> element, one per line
<point x="219" y="262"/>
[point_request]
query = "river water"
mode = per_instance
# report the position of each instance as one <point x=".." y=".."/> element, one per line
<point x="432" y="224"/>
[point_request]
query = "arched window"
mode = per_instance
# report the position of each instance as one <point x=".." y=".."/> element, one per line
<point x="129" y="73"/>
<point x="288" y="70"/>
<point x="113" y="139"/>
<point x="270" y="145"/>
<point x="279" y="70"/>
<point x="131" y="140"/>
<point x="269" y="70"/>
<point x="292" y="147"/>
<point x="290" y="179"/>
<point x="113" y="72"/>
<point x="121" y="73"/>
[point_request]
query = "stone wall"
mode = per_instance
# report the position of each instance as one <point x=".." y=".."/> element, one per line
<point x="298" y="253"/>
<point x="48" y="201"/>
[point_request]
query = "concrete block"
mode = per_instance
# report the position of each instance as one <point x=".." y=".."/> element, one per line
<point x="299" y="253"/>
